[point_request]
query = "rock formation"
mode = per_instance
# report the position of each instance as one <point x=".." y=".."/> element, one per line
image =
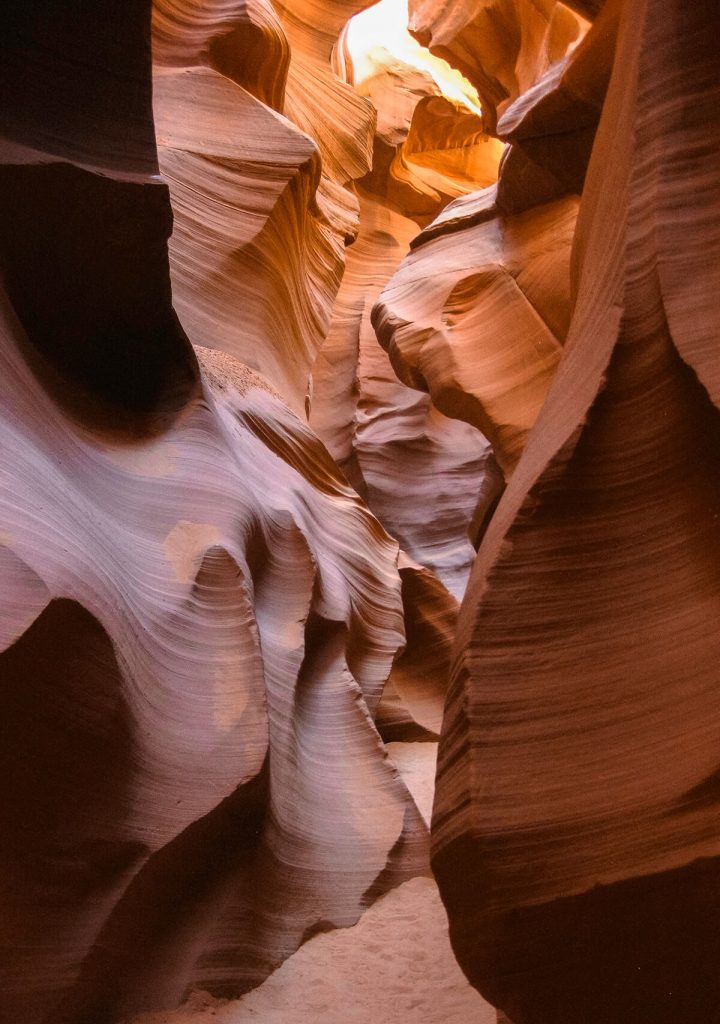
<point x="424" y="475"/>
<point x="420" y="472"/>
<point x="551" y="127"/>
<point x="575" y="824"/>
<point x="261" y="215"/>
<point x="501" y="46"/>
<point x="299" y="308"/>
<point x="477" y="314"/>
<point x="387" y="977"/>
<point x="198" y="614"/>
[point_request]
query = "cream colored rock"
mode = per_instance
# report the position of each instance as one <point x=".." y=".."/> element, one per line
<point x="391" y="442"/>
<point x="416" y="763"/>
<point x="328" y="109"/>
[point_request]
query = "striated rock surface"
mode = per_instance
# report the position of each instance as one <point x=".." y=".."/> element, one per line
<point x="446" y="154"/>
<point x="200" y="694"/>
<point x="394" y="967"/>
<point x="198" y="614"/>
<point x="259" y="226"/>
<point x="420" y="472"/>
<point x="414" y="696"/>
<point x="430" y="144"/>
<point x="477" y="313"/>
<point x="575" y="822"/>
<point x="226" y="636"/>
<point x="424" y="475"/>
<point x="501" y="46"/>
<point x="551" y="127"/>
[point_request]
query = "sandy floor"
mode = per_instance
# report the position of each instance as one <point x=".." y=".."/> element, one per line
<point x="416" y="763"/>
<point x="394" y="967"/>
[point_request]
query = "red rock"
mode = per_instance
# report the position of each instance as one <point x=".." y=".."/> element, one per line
<point x="574" y="825"/>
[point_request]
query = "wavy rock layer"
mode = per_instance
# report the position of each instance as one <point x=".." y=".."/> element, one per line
<point x="394" y="966"/>
<point x="501" y="46"/>
<point x="430" y="146"/>
<point x="477" y="313"/>
<point x="575" y="824"/>
<point x="446" y="154"/>
<point x="424" y="475"/>
<point x="551" y="127"/>
<point x="259" y="225"/>
<point x="198" y="614"/>
<point x="420" y="472"/>
<point x="201" y="695"/>
<point x="413" y="699"/>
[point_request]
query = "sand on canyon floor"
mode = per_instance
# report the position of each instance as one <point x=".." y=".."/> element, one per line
<point x="395" y="966"/>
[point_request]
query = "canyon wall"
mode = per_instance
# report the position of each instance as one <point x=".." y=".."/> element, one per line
<point x="575" y="824"/>
<point x="288" y="330"/>
<point x="198" y="613"/>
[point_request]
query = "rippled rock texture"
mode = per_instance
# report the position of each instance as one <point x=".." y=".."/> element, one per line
<point x="477" y="314"/>
<point x="421" y="472"/>
<point x="501" y="46"/>
<point x="288" y="330"/>
<point x="198" y="613"/>
<point x="426" y="476"/>
<point x="575" y="824"/>
<point x="256" y="179"/>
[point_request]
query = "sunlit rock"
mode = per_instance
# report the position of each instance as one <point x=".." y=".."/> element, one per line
<point x="476" y="315"/>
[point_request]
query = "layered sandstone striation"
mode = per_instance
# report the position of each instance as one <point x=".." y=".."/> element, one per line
<point x="430" y="144"/>
<point x="575" y="836"/>
<point x="477" y="314"/>
<point x="423" y="474"/>
<point x="290" y="325"/>
<point x="394" y="966"/>
<point x="256" y="182"/>
<point x="551" y="127"/>
<point x="420" y="472"/>
<point x="171" y="759"/>
<point x="501" y="46"/>
<point x="198" y="613"/>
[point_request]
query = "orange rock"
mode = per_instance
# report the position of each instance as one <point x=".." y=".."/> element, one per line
<point x="575" y="819"/>
<point x="501" y="46"/>
<point x="476" y="315"/>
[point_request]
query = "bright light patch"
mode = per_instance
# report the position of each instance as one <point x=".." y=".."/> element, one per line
<point x="378" y="35"/>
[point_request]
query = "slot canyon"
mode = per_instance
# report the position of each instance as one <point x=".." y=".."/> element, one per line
<point x="360" y="512"/>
